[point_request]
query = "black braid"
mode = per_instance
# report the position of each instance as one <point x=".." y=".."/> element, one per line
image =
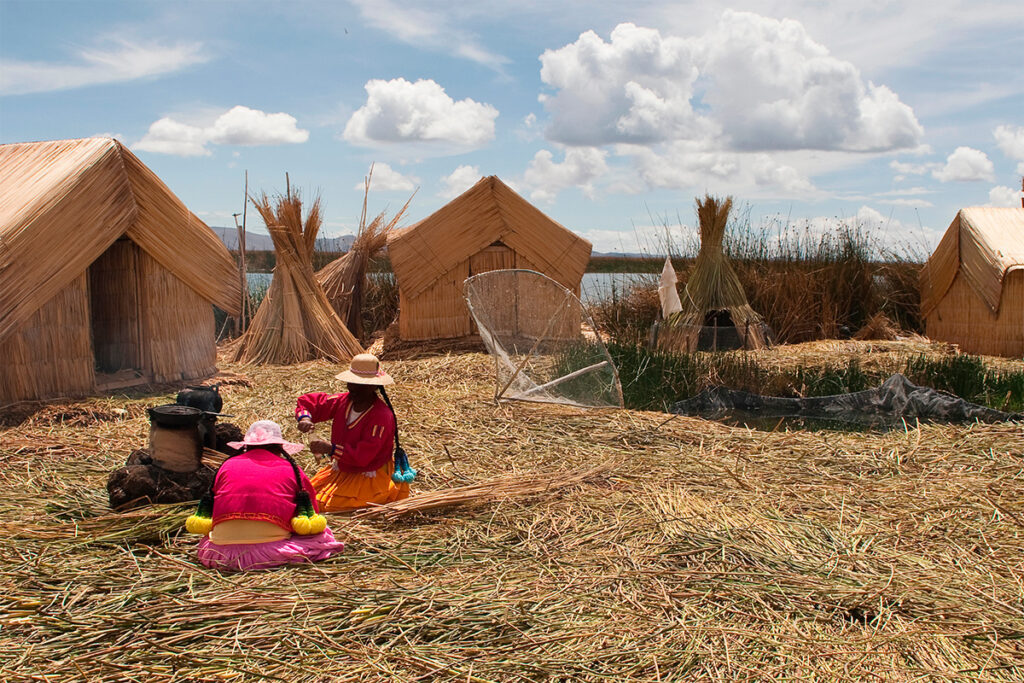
<point x="384" y="395"/>
<point x="303" y="504"/>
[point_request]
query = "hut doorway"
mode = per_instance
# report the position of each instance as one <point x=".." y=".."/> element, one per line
<point x="115" y="316"/>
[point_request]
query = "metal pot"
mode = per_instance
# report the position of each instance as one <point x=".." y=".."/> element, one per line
<point x="173" y="415"/>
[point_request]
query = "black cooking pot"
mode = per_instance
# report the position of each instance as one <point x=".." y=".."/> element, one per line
<point x="173" y="415"/>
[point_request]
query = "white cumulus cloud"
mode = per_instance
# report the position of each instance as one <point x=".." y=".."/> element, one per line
<point x="386" y="178"/>
<point x="771" y="86"/>
<point x="761" y="84"/>
<point x="965" y="164"/>
<point x="545" y="177"/>
<point x="123" y="61"/>
<point x="1004" y="196"/>
<point x="1011" y="141"/>
<point x="687" y="165"/>
<point x="400" y="111"/>
<point x="458" y="181"/>
<point x="237" y="126"/>
<point x="635" y="89"/>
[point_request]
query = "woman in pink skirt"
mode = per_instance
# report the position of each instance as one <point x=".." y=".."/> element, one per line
<point x="261" y="511"/>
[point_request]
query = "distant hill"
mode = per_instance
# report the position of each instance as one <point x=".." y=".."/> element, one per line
<point x="343" y="243"/>
<point x="259" y="241"/>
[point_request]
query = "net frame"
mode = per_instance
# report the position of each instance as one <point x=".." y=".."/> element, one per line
<point x="566" y="313"/>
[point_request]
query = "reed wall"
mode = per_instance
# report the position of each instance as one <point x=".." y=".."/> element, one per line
<point x="52" y="239"/>
<point x="177" y="326"/>
<point x="440" y="312"/>
<point x="962" y="317"/>
<point x="50" y="355"/>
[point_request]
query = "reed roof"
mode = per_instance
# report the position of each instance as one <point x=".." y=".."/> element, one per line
<point x="486" y="213"/>
<point x="983" y="242"/>
<point x="64" y="202"/>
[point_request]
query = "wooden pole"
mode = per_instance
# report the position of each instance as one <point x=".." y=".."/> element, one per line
<point x="246" y="314"/>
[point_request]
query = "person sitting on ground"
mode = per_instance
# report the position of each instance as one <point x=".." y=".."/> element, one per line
<point x="363" y="439"/>
<point x="261" y="510"/>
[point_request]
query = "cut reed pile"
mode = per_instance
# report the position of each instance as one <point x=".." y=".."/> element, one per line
<point x="295" y="322"/>
<point x="702" y="552"/>
<point x="344" y="279"/>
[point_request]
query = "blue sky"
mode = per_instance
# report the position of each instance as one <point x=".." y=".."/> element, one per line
<point x="609" y="116"/>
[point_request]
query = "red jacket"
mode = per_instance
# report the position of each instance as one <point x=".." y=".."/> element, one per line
<point x="367" y="444"/>
<point x="258" y="485"/>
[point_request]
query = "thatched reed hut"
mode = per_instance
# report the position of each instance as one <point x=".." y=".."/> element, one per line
<point x="972" y="287"/>
<point x="488" y="227"/>
<point x="106" y="279"/>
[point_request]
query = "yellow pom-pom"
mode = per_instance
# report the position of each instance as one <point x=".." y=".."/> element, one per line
<point x="301" y="525"/>
<point x="317" y="523"/>
<point x="198" y="525"/>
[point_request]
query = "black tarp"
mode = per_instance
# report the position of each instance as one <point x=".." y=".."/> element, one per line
<point x="894" y="400"/>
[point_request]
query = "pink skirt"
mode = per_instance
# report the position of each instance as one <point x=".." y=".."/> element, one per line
<point x="256" y="556"/>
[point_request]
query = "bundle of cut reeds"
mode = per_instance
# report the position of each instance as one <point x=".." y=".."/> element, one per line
<point x="295" y="321"/>
<point x="484" y="492"/>
<point x="343" y="279"/>
<point x="713" y="285"/>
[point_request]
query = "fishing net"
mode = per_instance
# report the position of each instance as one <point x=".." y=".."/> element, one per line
<point x="543" y="341"/>
<point x="895" y="400"/>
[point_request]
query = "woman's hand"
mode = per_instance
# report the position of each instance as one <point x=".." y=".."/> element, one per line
<point x="320" y="447"/>
<point x="305" y="425"/>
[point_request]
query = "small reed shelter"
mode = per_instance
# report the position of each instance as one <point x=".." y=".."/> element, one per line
<point x="972" y="287"/>
<point x="106" y="279"/>
<point x="488" y="227"/>
<point x="714" y="314"/>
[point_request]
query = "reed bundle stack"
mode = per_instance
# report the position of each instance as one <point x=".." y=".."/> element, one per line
<point x="713" y="297"/>
<point x="344" y="279"/>
<point x="295" y="322"/>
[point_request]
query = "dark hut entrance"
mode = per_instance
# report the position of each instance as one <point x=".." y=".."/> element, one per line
<point x="115" y="316"/>
<point x="719" y="333"/>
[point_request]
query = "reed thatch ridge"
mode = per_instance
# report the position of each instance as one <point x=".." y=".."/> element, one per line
<point x="101" y="267"/>
<point x="713" y="287"/>
<point x="488" y="227"/>
<point x="343" y="279"/>
<point x="972" y="287"/>
<point x="295" y="322"/>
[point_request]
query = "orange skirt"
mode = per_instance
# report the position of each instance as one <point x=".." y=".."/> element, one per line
<point x="337" y="491"/>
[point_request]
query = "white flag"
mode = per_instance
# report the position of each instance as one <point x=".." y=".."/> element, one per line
<point x="667" y="290"/>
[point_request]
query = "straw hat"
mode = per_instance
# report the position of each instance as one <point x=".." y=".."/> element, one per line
<point x="365" y="369"/>
<point x="265" y="433"/>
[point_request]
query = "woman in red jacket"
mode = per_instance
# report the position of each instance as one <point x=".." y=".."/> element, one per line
<point x="362" y="445"/>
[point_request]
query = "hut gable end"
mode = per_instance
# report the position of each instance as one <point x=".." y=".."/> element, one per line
<point x="983" y="244"/>
<point x="64" y="202"/>
<point x="488" y="212"/>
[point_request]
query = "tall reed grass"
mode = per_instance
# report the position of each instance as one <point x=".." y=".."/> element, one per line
<point x="808" y="284"/>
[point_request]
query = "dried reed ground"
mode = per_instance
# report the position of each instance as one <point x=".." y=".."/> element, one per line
<point x="704" y="553"/>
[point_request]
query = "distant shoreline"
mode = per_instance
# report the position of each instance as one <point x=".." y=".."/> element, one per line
<point x="263" y="262"/>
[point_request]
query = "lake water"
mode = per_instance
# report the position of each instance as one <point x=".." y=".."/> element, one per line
<point x="595" y="286"/>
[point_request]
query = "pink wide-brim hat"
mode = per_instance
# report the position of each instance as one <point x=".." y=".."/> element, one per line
<point x="365" y="368"/>
<point x="265" y="433"/>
